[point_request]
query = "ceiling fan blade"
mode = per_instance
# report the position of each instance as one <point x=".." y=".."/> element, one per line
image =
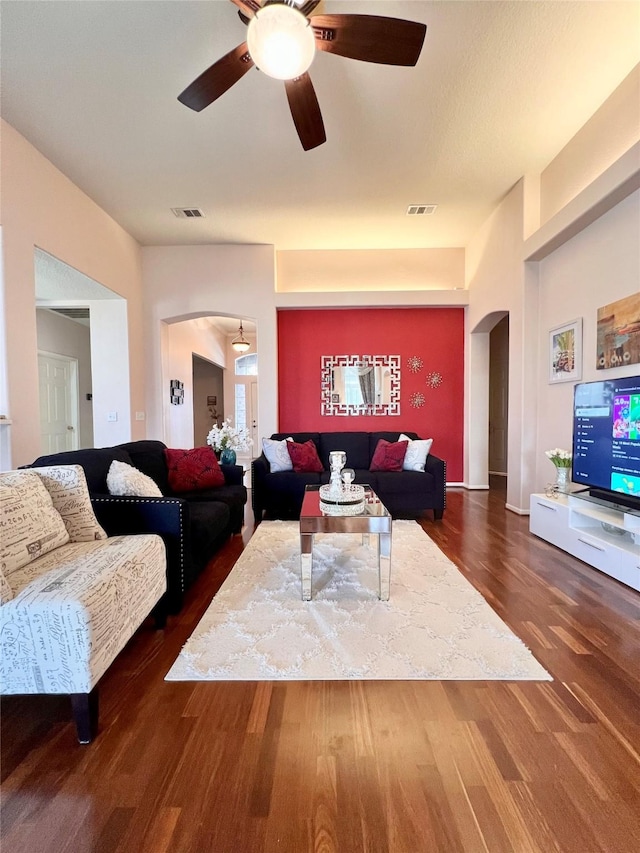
<point x="305" y="111"/>
<point x="217" y="79"/>
<point x="391" y="41"/>
<point x="307" y="8"/>
<point x="247" y="7"/>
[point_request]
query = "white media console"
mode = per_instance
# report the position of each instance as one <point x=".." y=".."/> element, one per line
<point x="604" y="535"/>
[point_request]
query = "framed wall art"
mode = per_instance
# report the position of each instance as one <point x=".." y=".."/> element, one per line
<point x="565" y="352"/>
<point x="618" y="333"/>
<point x="176" y="392"/>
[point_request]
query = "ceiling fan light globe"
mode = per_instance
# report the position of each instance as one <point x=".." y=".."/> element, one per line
<point x="281" y="42"/>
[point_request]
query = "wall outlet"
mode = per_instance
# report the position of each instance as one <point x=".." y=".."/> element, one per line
<point x="139" y="416"/>
<point x="112" y="417"/>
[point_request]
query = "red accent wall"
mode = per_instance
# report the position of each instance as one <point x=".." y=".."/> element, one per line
<point x="436" y="335"/>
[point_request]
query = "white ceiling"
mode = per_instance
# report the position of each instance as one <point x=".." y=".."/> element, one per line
<point x="499" y="89"/>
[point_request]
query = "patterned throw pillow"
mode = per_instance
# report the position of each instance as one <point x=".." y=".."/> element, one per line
<point x="30" y="526"/>
<point x="389" y="455"/>
<point x="417" y="452"/>
<point x="277" y="455"/>
<point x="304" y="457"/>
<point x="193" y="469"/>
<point x="124" y="479"/>
<point x="69" y="492"/>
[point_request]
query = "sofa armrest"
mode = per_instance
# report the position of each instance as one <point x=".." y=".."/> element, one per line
<point x="168" y="517"/>
<point x="259" y="469"/>
<point x="438" y="469"/>
<point x="233" y="474"/>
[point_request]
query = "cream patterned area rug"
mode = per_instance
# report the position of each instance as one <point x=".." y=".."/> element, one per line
<point x="434" y="626"/>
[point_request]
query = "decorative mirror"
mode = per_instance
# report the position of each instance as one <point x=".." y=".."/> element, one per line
<point x="360" y="385"/>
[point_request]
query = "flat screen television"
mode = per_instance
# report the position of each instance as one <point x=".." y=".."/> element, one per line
<point x="606" y="439"/>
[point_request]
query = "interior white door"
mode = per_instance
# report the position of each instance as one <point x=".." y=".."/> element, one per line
<point x="58" y="383"/>
<point x="253" y="419"/>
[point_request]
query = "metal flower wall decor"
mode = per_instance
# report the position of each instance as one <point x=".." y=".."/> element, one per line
<point x="434" y="379"/>
<point x="417" y="400"/>
<point x="415" y="363"/>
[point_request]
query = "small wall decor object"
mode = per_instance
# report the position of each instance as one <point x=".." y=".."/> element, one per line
<point x="176" y="392"/>
<point x="618" y="333"/>
<point x="415" y="363"/>
<point x="212" y="401"/>
<point x="565" y="352"/>
<point x="416" y="400"/>
<point x="434" y="379"/>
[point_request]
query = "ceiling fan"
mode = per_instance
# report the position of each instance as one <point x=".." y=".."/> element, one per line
<point x="282" y="40"/>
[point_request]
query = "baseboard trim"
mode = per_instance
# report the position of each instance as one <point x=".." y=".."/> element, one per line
<point x="454" y="485"/>
<point x="517" y="509"/>
<point x="471" y="488"/>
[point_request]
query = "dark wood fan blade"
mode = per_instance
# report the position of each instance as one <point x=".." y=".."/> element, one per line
<point x="305" y="111"/>
<point x="391" y="41"/>
<point x="217" y="79"/>
<point x="247" y="7"/>
<point x="308" y="7"/>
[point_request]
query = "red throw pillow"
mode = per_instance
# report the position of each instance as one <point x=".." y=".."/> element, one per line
<point x="388" y="455"/>
<point x="304" y="457"/>
<point x="193" y="469"/>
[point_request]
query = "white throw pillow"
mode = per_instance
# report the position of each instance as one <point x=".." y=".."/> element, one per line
<point x="417" y="451"/>
<point x="124" y="479"/>
<point x="67" y="485"/>
<point x="277" y="454"/>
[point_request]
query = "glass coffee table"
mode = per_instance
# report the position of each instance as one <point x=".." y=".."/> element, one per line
<point x="374" y="520"/>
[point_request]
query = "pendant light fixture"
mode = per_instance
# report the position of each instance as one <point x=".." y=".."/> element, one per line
<point x="240" y="343"/>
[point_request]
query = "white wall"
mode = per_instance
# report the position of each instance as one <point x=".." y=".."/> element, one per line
<point x="184" y="340"/>
<point x="370" y="270"/>
<point x="498" y="285"/>
<point x="185" y="282"/>
<point x="598" y="266"/>
<point x="42" y="208"/>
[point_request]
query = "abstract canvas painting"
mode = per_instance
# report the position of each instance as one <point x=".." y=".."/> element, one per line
<point x="618" y="336"/>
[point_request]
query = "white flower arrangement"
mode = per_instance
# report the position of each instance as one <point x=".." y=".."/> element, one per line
<point x="560" y="458"/>
<point x="228" y="437"/>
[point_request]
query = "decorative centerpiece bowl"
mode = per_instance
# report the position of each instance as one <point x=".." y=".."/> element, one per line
<point x="338" y="497"/>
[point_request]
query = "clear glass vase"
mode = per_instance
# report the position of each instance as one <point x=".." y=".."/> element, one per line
<point x="563" y="479"/>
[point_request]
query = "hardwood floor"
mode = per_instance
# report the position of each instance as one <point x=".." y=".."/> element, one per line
<point x="382" y="767"/>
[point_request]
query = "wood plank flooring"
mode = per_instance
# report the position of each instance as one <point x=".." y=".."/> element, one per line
<point x="349" y="767"/>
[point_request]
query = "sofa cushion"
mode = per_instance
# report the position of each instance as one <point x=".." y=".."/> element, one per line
<point x="74" y="609"/>
<point x="277" y="455"/>
<point x="193" y="469"/>
<point x="417" y="452"/>
<point x="30" y="526"/>
<point x="354" y="444"/>
<point x="304" y="457"/>
<point x="389" y="456"/>
<point x="67" y="486"/>
<point x="124" y="479"/>
<point x="95" y="462"/>
<point x="147" y="455"/>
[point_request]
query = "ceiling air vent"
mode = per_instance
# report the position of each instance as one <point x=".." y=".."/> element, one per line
<point x="73" y="313"/>
<point x="187" y="212"/>
<point x="421" y="209"/>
